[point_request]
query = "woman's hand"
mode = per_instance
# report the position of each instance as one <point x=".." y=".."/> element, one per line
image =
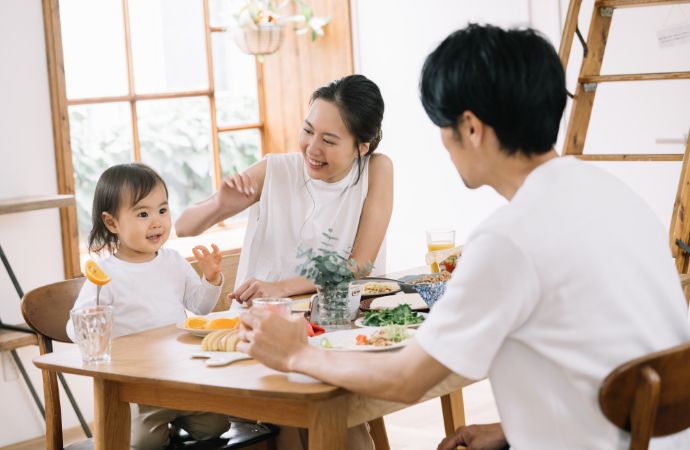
<point x="209" y="263"/>
<point x="240" y="183"/>
<point x="272" y="339"/>
<point x="253" y="288"/>
<point x="476" y="437"/>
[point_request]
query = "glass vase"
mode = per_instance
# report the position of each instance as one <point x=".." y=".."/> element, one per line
<point x="334" y="307"/>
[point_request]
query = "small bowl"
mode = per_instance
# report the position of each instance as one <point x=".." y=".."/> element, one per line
<point x="431" y="292"/>
<point x="408" y="288"/>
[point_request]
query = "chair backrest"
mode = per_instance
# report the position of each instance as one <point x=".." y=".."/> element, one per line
<point x="228" y="266"/>
<point x="649" y="396"/>
<point x="46" y="309"/>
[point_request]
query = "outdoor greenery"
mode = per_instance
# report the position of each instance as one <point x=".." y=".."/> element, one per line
<point x="329" y="268"/>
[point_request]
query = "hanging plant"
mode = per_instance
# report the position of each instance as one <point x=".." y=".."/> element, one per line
<point x="261" y="25"/>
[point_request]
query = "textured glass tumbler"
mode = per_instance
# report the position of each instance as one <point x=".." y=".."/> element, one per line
<point x="94" y="329"/>
<point x="334" y="307"/>
<point x="280" y="306"/>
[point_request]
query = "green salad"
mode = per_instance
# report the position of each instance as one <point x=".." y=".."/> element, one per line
<point x="400" y="315"/>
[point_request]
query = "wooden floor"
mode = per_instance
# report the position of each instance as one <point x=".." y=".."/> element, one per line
<point x="417" y="428"/>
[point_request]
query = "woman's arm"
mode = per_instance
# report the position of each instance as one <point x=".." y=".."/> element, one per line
<point x="236" y="194"/>
<point x="376" y="212"/>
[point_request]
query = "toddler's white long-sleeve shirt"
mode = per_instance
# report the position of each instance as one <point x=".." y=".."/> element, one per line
<point x="151" y="294"/>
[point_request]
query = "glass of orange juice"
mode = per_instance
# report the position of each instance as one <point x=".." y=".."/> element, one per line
<point x="439" y="239"/>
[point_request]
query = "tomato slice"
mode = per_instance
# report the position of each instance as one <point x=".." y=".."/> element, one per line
<point x="361" y="339"/>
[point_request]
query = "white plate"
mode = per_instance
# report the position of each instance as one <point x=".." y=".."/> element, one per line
<point x="360" y="322"/>
<point x="294" y="302"/>
<point x="231" y="314"/>
<point x="346" y="340"/>
<point x="395" y="284"/>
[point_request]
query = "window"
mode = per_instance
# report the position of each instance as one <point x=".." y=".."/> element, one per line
<point x="158" y="81"/>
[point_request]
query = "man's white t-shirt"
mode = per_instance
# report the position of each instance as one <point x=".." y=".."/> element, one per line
<point x="149" y="295"/>
<point x="556" y="289"/>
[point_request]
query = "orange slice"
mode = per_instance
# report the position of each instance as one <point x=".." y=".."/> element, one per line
<point x="196" y="322"/>
<point x="219" y="324"/>
<point x="95" y="274"/>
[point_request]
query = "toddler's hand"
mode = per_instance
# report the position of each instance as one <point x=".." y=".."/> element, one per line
<point x="209" y="263"/>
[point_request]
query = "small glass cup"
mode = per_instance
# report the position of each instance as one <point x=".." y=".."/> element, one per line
<point x="439" y="239"/>
<point x="94" y="329"/>
<point x="280" y="306"/>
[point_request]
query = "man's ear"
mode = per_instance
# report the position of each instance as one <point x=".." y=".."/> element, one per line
<point x="109" y="221"/>
<point x="363" y="149"/>
<point x="474" y="128"/>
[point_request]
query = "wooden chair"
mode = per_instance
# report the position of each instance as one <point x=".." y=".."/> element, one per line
<point x="46" y="310"/>
<point x="650" y="396"/>
<point x="229" y="265"/>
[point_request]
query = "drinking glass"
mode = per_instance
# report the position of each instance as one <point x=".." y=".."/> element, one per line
<point x="439" y="239"/>
<point x="94" y="329"/>
<point x="280" y="306"/>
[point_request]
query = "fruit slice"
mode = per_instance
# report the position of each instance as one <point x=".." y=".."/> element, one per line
<point x="223" y="340"/>
<point x="221" y="324"/>
<point x="95" y="274"/>
<point x="204" y="343"/>
<point x="196" y="323"/>
<point x="231" y="343"/>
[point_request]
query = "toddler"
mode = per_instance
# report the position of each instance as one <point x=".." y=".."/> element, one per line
<point x="151" y="286"/>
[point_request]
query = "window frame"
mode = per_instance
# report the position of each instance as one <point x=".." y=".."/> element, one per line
<point x="60" y="117"/>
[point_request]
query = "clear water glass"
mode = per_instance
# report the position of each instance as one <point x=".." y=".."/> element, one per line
<point x="94" y="329"/>
<point x="280" y="306"/>
<point x="334" y="308"/>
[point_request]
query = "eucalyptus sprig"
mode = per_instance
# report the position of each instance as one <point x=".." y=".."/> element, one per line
<point x="329" y="268"/>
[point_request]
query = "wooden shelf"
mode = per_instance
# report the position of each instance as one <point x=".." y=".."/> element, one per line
<point x="635" y="77"/>
<point x="22" y="204"/>
<point x="12" y="340"/>
<point x="678" y="157"/>
<point x="636" y="3"/>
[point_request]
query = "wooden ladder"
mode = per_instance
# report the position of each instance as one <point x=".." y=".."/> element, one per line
<point x="583" y="102"/>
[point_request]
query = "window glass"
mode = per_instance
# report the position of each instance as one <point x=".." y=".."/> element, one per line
<point x="239" y="150"/>
<point x="101" y="136"/>
<point x="93" y="41"/>
<point x="234" y="78"/>
<point x="168" y="46"/>
<point x="175" y="139"/>
<point x="221" y="12"/>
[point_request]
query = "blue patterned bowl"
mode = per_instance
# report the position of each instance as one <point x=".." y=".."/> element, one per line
<point x="431" y="292"/>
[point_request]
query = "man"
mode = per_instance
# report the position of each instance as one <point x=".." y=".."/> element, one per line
<point x="569" y="280"/>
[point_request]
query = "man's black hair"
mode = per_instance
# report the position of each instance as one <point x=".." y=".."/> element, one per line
<point x="511" y="80"/>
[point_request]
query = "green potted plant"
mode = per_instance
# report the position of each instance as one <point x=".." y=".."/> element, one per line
<point x="332" y="274"/>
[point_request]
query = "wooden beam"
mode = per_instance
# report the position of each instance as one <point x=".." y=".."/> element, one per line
<point x="246" y="126"/>
<point x="635" y="77"/>
<point x="630" y="157"/>
<point x="569" y="32"/>
<point x="139" y="97"/>
<point x="217" y="172"/>
<point x="61" y="137"/>
<point x="34" y="203"/>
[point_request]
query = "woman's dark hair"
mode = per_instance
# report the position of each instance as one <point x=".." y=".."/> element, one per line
<point x="361" y="107"/>
<point x="120" y="185"/>
<point x="511" y="80"/>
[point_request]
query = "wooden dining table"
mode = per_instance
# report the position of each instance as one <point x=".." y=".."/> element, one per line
<point x="154" y="368"/>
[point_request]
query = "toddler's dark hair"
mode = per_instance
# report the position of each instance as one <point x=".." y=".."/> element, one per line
<point x="121" y="183"/>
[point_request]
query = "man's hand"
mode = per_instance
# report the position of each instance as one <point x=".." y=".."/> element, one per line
<point x="253" y="288"/>
<point x="271" y="339"/>
<point x="209" y="263"/>
<point x="476" y="437"/>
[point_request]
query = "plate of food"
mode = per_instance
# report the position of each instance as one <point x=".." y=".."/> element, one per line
<point x="376" y="288"/>
<point x="203" y="325"/>
<point x="400" y="315"/>
<point x="369" y="340"/>
<point x="407" y="283"/>
<point x="303" y="305"/>
<point x="377" y="303"/>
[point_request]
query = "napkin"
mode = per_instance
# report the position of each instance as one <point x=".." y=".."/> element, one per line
<point x="414" y="300"/>
<point x="441" y="255"/>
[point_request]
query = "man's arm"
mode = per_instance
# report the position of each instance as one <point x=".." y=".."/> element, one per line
<point x="280" y="343"/>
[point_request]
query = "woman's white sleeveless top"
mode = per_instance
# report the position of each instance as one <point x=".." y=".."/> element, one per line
<point x="295" y="209"/>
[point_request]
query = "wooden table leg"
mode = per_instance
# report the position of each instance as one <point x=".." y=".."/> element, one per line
<point x="328" y="424"/>
<point x="111" y="417"/>
<point x="453" y="411"/>
<point x="379" y="435"/>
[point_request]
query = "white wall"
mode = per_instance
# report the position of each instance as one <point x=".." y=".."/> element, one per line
<point x="391" y="43"/>
<point x="30" y="240"/>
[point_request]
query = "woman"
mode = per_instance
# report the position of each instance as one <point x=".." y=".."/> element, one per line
<point x="335" y="183"/>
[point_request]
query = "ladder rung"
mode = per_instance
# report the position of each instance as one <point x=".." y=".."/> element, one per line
<point x="678" y="157"/>
<point x="635" y="77"/>
<point x="636" y="3"/>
